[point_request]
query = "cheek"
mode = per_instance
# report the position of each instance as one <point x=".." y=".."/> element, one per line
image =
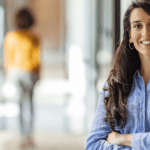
<point x="136" y="38"/>
<point x="134" y="35"/>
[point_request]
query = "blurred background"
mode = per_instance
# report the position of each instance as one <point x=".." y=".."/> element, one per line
<point x="78" y="39"/>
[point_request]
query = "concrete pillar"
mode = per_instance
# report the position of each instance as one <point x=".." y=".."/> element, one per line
<point x="2" y="33"/>
<point x="81" y="45"/>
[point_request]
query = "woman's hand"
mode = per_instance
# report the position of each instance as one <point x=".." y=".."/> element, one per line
<point x="119" y="139"/>
<point x="114" y="138"/>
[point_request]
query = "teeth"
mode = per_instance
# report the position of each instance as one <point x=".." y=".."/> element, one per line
<point x="146" y="42"/>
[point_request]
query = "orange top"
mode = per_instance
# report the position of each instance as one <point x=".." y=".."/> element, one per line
<point x="21" y="51"/>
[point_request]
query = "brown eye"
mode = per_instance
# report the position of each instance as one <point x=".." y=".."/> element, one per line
<point x="137" y="26"/>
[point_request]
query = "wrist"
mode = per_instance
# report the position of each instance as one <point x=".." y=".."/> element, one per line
<point x="122" y="139"/>
<point x="125" y="139"/>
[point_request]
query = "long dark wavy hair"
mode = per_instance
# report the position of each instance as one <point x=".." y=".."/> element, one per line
<point x="120" y="80"/>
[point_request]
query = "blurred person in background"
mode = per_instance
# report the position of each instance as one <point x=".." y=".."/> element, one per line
<point x="22" y="66"/>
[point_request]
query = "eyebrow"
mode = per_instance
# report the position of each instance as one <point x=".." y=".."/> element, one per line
<point x="138" y="21"/>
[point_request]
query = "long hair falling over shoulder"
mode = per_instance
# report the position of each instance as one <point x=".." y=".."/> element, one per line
<point x="120" y="79"/>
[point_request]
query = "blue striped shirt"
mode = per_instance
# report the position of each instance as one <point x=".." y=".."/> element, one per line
<point x="138" y="121"/>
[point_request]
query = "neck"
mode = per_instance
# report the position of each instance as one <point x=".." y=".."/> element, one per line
<point x="145" y="68"/>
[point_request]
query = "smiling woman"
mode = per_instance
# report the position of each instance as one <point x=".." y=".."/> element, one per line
<point x="140" y="31"/>
<point x="122" y="117"/>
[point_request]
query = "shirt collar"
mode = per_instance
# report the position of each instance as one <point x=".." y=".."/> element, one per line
<point x="137" y="73"/>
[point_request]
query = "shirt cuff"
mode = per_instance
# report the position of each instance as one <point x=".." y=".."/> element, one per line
<point x="136" y="141"/>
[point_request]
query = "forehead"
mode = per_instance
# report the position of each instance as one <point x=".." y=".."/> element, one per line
<point x="139" y="14"/>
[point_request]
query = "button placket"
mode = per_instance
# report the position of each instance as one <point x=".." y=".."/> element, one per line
<point x="143" y="113"/>
<point x="144" y="105"/>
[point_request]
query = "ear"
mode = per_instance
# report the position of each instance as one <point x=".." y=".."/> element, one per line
<point x="129" y="34"/>
<point x="130" y="39"/>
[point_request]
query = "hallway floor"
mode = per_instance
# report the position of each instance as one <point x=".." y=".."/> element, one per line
<point x="44" y="141"/>
<point x="51" y="127"/>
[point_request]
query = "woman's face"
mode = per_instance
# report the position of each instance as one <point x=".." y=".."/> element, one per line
<point x="140" y="31"/>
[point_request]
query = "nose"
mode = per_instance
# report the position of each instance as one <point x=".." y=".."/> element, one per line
<point x="146" y="31"/>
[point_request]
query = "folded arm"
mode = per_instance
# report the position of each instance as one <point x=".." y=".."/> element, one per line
<point x="99" y="130"/>
<point x="119" y="139"/>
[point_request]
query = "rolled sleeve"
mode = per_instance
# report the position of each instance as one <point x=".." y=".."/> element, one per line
<point x="135" y="141"/>
<point x="100" y="129"/>
<point x="140" y="141"/>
